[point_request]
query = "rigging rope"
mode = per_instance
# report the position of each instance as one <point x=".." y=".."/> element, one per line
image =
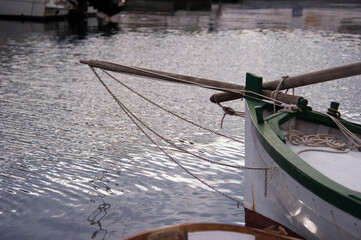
<point x="170" y="142"/>
<point x="170" y="112"/>
<point x="294" y="136"/>
<point x="275" y="92"/>
<point x="228" y="111"/>
<point x="350" y="135"/>
<point x="137" y="122"/>
<point x="177" y="79"/>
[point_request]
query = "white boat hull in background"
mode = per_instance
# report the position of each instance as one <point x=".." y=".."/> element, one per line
<point x="32" y="8"/>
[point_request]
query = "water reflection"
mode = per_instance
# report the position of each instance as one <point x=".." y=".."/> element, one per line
<point x="342" y="17"/>
<point x="250" y="15"/>
<point x="95" y="219"/>
<point x="74" y="167"/>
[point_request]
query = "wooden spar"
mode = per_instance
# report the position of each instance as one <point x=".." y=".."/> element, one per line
<point x="316" y="77"/>
<point x="201" y="82"/>
<point x="224" y="97"/>
<point x="290" y="82"/>
<point x="232" y="91"/>
<point x="296" y="81"/>
<point x="282" y="97"/>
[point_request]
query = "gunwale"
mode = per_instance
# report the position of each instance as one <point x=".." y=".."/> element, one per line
<point x="332" y="192"/>
<point x="209" y="228"/>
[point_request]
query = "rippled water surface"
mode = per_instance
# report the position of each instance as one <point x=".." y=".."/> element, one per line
<point x="73" y="166"/>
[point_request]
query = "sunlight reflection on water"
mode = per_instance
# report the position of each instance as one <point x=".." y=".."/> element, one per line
<point x="73" y="166"/>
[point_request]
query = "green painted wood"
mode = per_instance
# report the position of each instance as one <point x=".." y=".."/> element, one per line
<point x="275" y="121"/>
<point x="253" y="84"/>
<point x="328" y="190"/>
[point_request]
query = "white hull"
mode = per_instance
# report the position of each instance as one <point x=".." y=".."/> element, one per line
<point x="287" y="202"/>
<point x="31" y="8"/>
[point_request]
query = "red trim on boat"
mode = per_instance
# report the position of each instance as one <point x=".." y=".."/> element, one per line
<point x="256" y="220"/>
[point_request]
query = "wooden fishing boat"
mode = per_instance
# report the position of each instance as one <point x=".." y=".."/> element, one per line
<point x="310" y="161"/>
<point x="210" y="231"/>
<point x="312" y="188"/>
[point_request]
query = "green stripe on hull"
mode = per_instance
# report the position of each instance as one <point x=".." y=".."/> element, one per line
<point x="337" y="195"/>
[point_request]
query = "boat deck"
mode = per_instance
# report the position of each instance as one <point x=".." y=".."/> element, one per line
<point x="343" y="168"/>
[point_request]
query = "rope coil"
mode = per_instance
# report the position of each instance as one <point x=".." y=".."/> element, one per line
<point x="325" y="140"/>
<point x="297" y="138"/>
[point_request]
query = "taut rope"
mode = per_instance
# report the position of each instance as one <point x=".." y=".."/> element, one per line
<point x="275" y="92"/>
<point x="173" y="144"/>
<point x="350" y="135"/>
<point x="170" y="112"/>
<point x="138" y="123"/>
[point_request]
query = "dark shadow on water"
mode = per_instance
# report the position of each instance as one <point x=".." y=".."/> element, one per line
<point x="79" y="30"/>
<point x="95" y="219"/>
<point x="107" y="29"/>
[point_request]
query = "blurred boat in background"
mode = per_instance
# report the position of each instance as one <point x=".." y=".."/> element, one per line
<point x="45" y="10"/>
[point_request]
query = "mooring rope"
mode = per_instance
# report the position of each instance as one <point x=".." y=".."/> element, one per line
<point x="170" y="112"/>
<point x="180" y="148"/>
<point x="274" y="93"/>
<point x="135" y="120"/>
<point x="350" y="135"/>
<point x="266" y="99"/>
<point x="228" y="111"/>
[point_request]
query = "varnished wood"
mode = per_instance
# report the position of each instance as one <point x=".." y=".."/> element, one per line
<point x="283" y="97"/>
<point x="169" y="232"/>
<point x="201" y="82"/>
<point x="316" y="77"/>
<point x="233" y="91"/>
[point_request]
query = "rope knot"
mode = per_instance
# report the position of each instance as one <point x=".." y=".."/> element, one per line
<point x="274" y="93"/>
<point x="291" y="108"/>
<point x="228" y="110"/>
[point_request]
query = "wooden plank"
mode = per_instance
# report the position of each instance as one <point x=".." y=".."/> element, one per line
<point x="316" y="77"/>
<point x="233" y="91"/>
<point x="201" y="82"/>
<point x="283" y="97"/>
<point x="290" y="82"/>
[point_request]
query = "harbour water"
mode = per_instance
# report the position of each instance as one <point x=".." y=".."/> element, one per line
<point x="73" y="166"/>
